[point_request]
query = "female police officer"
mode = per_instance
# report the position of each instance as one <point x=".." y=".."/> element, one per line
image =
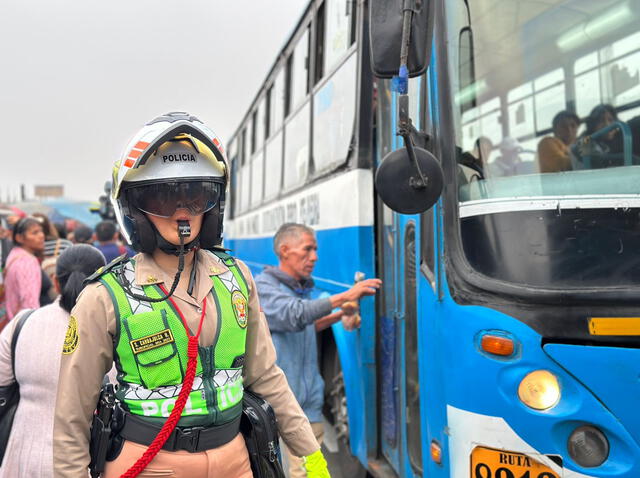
<point x="168" y="193"/>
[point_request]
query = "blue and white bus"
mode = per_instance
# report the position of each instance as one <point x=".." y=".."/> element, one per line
<point x="506" y="340"/>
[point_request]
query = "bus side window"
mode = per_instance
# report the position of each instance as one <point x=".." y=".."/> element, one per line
<point x="243" y="173"/>
<point x="339" y="31"/>
<point x="267" y="112"/>
<point x="300" y="71"/>
<point x="254" y="132"/>
<point x="273" y="145"/>
<point x="233" y="165"/>
<point x="257" y="169"/>
<point x="319" y="42"/>
<point x="278" y="101"/>
<point x="297" y="129"/>
<point x="288" y="87"/>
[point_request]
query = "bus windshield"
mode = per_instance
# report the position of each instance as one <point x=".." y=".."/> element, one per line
<point x="546" y="103"/>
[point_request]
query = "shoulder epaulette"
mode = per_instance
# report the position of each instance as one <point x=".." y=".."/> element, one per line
<point x="118" y="261"/>
<point x="222" y="254"/>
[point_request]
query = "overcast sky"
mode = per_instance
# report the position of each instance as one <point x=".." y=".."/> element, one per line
<point x="79" y="77"/>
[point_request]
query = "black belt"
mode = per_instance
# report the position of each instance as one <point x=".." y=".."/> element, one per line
<point x="192" y="439"/>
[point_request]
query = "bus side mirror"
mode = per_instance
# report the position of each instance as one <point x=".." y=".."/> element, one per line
<point x="386" y="26"/>
<point x="406" y="186"/>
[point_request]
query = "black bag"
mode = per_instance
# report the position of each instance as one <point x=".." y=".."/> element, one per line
<point x="10" y="394"/>
<point x="259" y="427"/>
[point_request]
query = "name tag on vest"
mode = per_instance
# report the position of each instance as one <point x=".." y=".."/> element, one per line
<point x="152" y="341"/>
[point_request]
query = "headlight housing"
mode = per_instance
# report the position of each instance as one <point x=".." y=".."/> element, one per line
<point x="539" y="390"/>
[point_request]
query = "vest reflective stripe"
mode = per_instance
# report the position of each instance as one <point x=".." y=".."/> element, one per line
<point x="151" y="351"/>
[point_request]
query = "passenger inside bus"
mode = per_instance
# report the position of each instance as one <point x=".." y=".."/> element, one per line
<point x="511" y="161"/>
<point x="601" y="144"/>
<point x="474" y="163"/>
<point x="554" y="154"/>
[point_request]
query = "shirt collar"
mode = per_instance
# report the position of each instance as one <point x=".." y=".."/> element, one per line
<point x="148" y="272"/>
<point x="302" y="286"/>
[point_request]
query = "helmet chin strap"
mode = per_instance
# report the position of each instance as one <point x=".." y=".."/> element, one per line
<point x="171" y="249"/>
<point x="184" y="230"/>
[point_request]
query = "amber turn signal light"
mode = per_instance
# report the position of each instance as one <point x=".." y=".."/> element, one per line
<point x="497" y="345"/>
<point x="436" y="452"/>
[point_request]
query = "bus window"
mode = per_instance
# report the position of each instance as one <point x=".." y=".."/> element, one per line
<point x="288" y="86"/>
<point x="608" y="75"/>
<point x="319" y="58"/>
<point x="244" y="189"/>
<point x="521" y="116"/>
<point x="587" y="83"/>
<point x="553" y="141"/>
<point x="334" y="109"/>
<point x="254" y="132"/>
<point x="268" y="124"/>
<point x="278" y="101"/>
<point x="257" y="168"/>
<point x="242" y="147"/>
<point x="549" y="97"/>
<point x="259" y="123"/>
<point x="273" y="167"/>
<point x="296" y="149"/>
<point x="300" y="71"/>
<point x="232" y="153"/>
<point x="338" y="35"/>
<point x="242" y="195"/>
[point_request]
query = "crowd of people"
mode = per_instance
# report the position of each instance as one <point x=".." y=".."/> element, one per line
<point x="29" y="250"/>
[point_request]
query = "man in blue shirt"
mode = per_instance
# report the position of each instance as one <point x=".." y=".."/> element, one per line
<point x="107" y="236"/>
<point x="294" y="318"/>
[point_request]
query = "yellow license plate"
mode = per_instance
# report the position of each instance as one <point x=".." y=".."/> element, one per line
<point x="489" y="463"/>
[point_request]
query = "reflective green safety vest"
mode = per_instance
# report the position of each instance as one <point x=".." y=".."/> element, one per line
<point x="151" y="350"/>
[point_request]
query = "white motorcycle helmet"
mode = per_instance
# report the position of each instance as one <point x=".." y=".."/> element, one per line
<point x="173" y="162"/>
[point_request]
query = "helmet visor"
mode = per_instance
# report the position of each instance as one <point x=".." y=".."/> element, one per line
<point x="164" y="199"/>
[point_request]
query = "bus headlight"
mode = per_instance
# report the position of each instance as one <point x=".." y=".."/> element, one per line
<point x="539" y="390"/>
<point x="588" y="446"/>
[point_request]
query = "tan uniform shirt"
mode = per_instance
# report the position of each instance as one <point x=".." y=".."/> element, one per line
<point x="82" y="371"/>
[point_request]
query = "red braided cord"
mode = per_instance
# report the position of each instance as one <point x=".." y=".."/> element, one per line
<point x="172" y="421"/>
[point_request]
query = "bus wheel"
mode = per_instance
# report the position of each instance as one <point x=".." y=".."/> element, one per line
<point x="336" y="411"/>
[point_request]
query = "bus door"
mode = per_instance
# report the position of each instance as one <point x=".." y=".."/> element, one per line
<point x="398" y="236"/>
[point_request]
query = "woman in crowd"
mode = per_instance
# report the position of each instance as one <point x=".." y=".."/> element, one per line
<point x="23" y="276"/>
<point x="53" y="245"/>
<point x="29" y="451"/>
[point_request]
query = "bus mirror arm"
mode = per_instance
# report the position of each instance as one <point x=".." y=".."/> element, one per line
<point x="407" y="130"/>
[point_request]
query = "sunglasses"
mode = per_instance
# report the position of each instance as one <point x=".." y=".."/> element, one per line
<point x="164" y="199"/>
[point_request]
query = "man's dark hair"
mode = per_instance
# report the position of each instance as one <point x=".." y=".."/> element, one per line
<point x="105" y="230"/>
<point x="82" y="234"/>
<point x="563" y="115"/>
